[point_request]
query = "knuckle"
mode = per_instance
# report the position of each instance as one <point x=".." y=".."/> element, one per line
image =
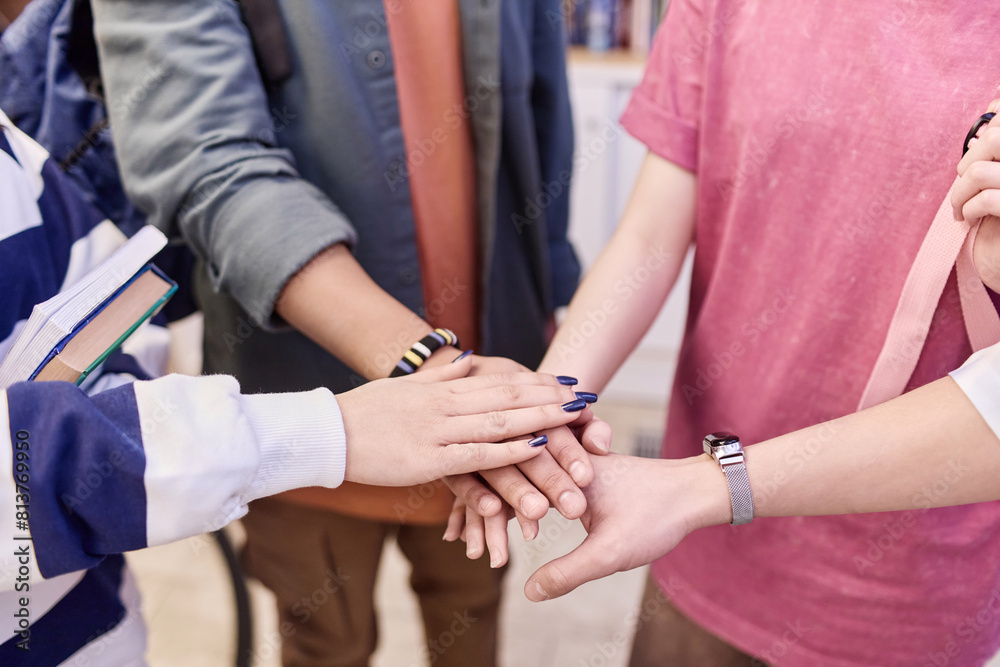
<point x="991" y="198"/>
<point x="447" y="404"/>
<point x="554" y="479"/>
<point x="557" y="577"/>
<point x="470" y="456"/>
<point x="497" y="421"/>
<point x="511" y="393"/>
<point x="976" y="172"/>
<point x="990" y="136"/>
<point x="512" y="487"/>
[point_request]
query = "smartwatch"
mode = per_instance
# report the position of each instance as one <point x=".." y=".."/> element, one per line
<point x="727" y="449"/>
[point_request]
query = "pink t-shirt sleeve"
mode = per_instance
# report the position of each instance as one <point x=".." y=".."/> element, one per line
<point x="664" y="110"/>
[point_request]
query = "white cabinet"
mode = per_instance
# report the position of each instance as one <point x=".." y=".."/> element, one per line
<point x="606" y="163"/>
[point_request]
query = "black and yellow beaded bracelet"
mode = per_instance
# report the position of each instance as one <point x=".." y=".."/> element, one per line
<point x="418" y="354"/>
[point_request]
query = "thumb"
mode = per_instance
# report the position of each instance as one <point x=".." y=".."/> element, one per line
<point x="587" y="562"/>
<point x="460" y="368"/>
<point x="473" y="457"/>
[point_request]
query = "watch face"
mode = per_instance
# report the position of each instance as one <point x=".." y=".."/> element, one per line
<point x="720" y="439"/>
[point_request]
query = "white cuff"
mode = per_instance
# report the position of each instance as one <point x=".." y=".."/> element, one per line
<point x="300" y="438"/>
<point x="979" y="378"/>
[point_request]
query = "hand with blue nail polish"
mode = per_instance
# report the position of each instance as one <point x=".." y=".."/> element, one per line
<point x="553" y="478"/>
<point x="439" y="422"/>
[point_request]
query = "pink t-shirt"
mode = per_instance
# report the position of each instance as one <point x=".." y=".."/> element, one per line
<point x="824" y="137"/>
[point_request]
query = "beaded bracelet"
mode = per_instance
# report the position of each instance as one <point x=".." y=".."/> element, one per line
<point x="418" y="354"/>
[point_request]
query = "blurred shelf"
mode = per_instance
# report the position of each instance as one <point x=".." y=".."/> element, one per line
<point x="583" y="55"/>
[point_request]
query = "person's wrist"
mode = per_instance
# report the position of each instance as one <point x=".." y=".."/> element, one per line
<point x="708" y="492"/>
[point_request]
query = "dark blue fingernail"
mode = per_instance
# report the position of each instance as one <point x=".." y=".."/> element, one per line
<point x="462" y="356"/>
<point x="574" y="406"/>
<point x="588" y="396"/>
<point x="566" y="380"/>
<point x="539" y="441"/>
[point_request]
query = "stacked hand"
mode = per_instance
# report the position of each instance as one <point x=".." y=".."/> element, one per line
<point x="444" y="407"/>
<point x="487" y="529"/>
<point x="486" y="501"/>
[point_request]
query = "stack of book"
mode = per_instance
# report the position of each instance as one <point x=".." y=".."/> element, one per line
<point x="604" y="25"/>
<point x="72" y="333"/>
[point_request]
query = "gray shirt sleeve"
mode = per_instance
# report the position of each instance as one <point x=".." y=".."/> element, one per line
<point x="196" y="145"/>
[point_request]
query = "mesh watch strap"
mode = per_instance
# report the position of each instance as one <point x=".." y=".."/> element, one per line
<point x="739" y="491"/>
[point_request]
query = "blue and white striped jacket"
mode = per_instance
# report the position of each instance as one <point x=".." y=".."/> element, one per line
<point x="120" y="464"/>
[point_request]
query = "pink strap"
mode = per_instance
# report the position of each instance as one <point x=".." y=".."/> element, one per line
<point x="948" y="243"/>
<point x="981" y="320"/>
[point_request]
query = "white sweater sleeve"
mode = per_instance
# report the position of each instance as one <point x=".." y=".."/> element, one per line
<point x="151" y="462"/>
<point x="979" y="378"/>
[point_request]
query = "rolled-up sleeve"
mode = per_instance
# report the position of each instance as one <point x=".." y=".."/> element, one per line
<point x="665" y="108"/>
<point x="196" y="145"/>
<point x="979" y="378"/>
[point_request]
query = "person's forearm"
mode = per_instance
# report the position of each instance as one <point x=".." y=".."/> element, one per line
<point x="153" y="462"/>
<point x="336" y="304"/>
<point x="625" y="289"/>
<point x="197" y="149"/>
<point x="928" y="448"/>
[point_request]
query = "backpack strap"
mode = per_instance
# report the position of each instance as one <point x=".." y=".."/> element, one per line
<point x="262" y="18"/>
<point x="949" y="242"/>
<point x="81" y="49"/>
<point x="270" y="39"/>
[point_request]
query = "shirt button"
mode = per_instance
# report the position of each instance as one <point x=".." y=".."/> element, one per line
<point x="376" y="59"/>
<point x="407" y="276"/>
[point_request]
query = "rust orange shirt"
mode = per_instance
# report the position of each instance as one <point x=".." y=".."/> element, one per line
<point x="426" y="43"/>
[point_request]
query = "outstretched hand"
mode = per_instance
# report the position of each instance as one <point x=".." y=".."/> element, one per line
<point x="435" y="423"/>
<point x="637" y="510"/>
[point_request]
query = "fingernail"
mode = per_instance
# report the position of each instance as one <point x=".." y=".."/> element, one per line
<point x="537" y="592"/>
<point x="472" y="550"/>
<point x="539" y="441"/>
<point x="528" y="531"/>
<point x="530" y="503"/>
<point x="588" y="396"/>
<point x="578" y="472"/>
<point x="566" y="380"/>
<point x="603" y="445"/>
<point x="574" y="406"/>
<point x="488" y="505"/>
<point x="462" y="356"/>
<point x="494" y="560"/>
<point x="573" y="503"/>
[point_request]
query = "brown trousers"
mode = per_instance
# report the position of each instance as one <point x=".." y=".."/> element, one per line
<point x="321" y="566"/>
<point x="667" y="638"/>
